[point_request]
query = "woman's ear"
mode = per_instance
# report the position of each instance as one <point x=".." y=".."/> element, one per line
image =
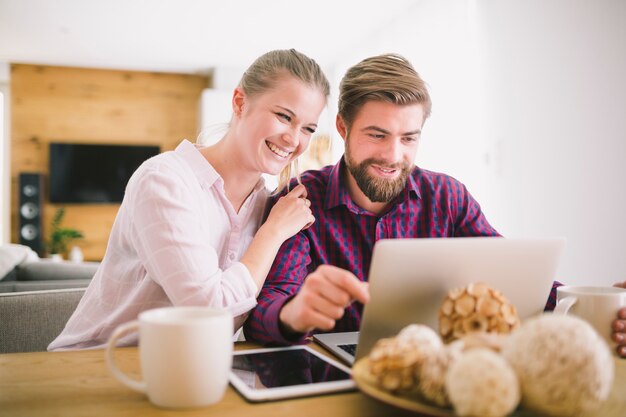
<point x="239" y="97"/>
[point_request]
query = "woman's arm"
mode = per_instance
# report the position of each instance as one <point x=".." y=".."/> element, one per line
<point x="288" y="216"/>
<point x="169" y="224"/>
<point x="169" y="234"/>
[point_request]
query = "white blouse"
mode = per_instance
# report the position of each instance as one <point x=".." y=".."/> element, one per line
<point x="176" y="241"/>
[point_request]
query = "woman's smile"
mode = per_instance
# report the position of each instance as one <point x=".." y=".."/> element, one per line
<point x="278" y="151"/>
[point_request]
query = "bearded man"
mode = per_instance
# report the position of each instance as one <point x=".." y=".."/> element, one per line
<point x="318" y="282"/>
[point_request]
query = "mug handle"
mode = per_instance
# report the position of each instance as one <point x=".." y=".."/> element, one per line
<point x="564" y="304"/>
<point x="118" y="333"/>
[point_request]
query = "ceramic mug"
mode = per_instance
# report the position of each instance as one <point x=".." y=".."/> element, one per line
<point x="597" y="305"/>
<point x="185" y="355"/>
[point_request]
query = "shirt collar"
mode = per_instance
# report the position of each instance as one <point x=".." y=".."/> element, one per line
<point x="337" y="192"/>
<point x="202" y="169"/>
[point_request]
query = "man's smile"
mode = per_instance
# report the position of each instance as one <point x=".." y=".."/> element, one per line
<point x="385" y="172"/>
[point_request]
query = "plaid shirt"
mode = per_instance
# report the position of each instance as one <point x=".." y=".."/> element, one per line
<point x="431" y="205"/>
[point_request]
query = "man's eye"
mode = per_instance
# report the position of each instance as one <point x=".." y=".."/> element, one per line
<point x="410" y="139"/>
<point x="284" y="116"/>
<point x="376" y="135"/>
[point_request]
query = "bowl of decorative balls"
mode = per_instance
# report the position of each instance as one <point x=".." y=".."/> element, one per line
<point x="484" y="362"/>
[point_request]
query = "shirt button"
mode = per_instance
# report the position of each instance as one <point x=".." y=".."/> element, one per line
<point x="231" y="256"/>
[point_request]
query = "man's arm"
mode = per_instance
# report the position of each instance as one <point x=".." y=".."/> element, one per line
<point x="283" y="281"/>
<point x="322" y="300"/>
<point x="293" y="302"/>
<point x="470" y="220"/>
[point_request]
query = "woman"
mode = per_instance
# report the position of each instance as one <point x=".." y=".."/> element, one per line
<point x="189" y="230"/>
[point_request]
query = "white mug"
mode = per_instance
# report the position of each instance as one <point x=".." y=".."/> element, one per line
<point x="596" y="305"/>
<point x="185" y="355"/>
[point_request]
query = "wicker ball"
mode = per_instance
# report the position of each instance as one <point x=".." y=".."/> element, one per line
<point x="476" y="308"/>
<point x="395" y="361"/>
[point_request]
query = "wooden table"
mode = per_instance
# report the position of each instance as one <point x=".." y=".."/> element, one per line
<point x="78" y="383"/>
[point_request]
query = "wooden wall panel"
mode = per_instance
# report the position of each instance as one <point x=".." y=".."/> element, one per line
<point x="78" y="105"/>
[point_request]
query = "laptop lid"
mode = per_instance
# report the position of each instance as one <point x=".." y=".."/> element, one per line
<point x="409" y="278"/>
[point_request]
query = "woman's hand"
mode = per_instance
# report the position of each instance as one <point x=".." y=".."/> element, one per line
<point x="290" y="214"/>
<point x="619" y="327"/>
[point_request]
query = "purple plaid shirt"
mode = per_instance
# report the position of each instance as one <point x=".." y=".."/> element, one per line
<point x="431" y="205"/>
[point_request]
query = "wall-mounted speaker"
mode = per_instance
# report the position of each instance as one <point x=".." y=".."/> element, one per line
<point x="30" y="210"/>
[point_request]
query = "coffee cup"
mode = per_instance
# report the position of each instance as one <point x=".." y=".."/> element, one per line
<point x="185" y="355"/>
<point x="596" y="305"/>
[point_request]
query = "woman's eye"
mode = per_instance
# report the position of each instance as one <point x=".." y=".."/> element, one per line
<point x="284" y="116"/>
<point x="310" y="130"/>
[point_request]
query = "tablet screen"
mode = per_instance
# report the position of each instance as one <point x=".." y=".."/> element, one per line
<point x="284" y="368"/>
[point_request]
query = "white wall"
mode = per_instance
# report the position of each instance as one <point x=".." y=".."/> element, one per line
<point x="440" y="40"/>
<point x="529" y="111"/>
<point x="557" y="89"/>
<point x="437" y="37"/>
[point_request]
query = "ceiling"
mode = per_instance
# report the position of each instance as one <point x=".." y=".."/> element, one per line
<point x="190" y="36"/>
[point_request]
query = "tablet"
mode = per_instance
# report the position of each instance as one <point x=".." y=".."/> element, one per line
<point x="286" y="372"/>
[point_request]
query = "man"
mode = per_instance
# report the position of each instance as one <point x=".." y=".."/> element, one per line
<point x="318" y="280"/>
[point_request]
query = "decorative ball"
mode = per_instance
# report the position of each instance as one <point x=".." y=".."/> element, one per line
<point x="564" y="367"/>
<point x="395" y="361"/>
<point x="476" y="308"/>
<point x="481" y="383"/>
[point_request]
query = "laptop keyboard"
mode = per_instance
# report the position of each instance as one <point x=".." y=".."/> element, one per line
<point x="351" y="348"/>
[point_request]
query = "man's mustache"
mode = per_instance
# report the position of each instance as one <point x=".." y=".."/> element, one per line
<point x="385" y="164"/>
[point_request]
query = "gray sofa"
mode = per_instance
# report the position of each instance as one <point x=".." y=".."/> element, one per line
<point x="30" y="320"/>
<point x="37" y="297"/>
<point x="46" y="275"/>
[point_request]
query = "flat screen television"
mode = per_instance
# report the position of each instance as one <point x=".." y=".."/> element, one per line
<point x="81" y="173"/>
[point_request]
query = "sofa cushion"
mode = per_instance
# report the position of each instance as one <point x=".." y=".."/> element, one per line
<point x="29" y="321"/>
<point x="49" y="270"/>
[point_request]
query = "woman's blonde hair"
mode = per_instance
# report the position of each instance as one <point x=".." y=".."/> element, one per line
<point x="388" y="77"/>
<point x="267" y="69"/>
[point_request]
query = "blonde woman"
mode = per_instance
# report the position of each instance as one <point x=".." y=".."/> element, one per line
<point x="189" y="229"/>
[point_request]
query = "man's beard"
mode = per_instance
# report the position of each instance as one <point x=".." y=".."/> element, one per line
<point x="378" y="190"/>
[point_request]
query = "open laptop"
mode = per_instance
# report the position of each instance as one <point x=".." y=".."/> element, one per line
<point x="409" y="279"/>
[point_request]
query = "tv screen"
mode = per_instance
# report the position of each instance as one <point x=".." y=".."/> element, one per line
<point x="81" y="173"/>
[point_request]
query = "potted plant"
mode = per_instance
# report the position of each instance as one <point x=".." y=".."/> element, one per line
<point x="60" y="237"/>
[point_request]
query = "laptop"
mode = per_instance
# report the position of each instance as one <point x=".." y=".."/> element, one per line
<point x="409" y="279"/>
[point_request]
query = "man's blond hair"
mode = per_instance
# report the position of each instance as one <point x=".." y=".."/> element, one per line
<point x="389" y="77"/>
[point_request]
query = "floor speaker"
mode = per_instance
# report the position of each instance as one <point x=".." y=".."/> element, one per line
<point x="30" y="210"/>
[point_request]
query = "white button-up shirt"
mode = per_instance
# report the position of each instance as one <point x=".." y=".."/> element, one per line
<point x="176" y="241"/>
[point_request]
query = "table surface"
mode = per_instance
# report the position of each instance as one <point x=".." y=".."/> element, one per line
<point x="79" y="384"/>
